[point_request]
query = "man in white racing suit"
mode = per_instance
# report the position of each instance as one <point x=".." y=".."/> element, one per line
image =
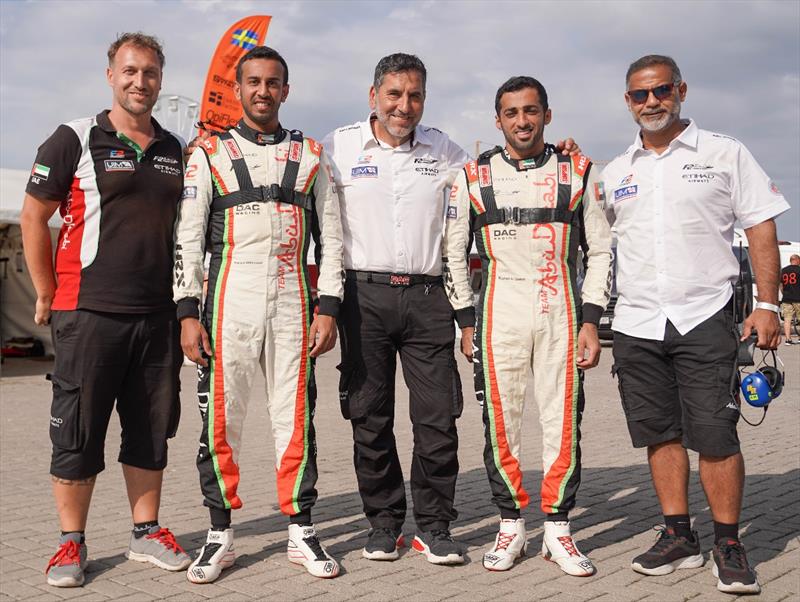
<point x="530" y="209"/>
<point x="253" y="198"/>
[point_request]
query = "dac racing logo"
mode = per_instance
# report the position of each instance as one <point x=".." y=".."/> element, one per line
<point x="504" y="233"/>
<point x="248" y="209"/>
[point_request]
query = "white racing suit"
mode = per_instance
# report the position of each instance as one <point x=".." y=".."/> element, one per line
<point x="254" y="203"/>
<point x="529" y="219"/>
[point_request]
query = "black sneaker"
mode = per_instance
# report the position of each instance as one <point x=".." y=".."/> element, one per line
<point x="732" y="569"/>
<point x="670" y="552"/>
<point x="438" y="547"/>
<point x="382" y="544"/>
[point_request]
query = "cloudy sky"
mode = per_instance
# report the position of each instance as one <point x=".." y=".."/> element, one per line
<point x="741" y="61"/>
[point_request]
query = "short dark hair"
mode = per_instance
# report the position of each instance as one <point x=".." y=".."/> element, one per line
<point x="142" y="40"/>
<point x="262" y="52"/>
<point x="651" y="60"/>
<point x="397" y="63"/>
<point x="517" y="83"/>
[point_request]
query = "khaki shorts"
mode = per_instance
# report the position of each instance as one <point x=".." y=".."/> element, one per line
<point x="790" y="310"/>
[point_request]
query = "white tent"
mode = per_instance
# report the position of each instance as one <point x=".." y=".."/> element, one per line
<point x="17" y="296"/>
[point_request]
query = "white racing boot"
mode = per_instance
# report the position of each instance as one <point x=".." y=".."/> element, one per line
<point x="304" y="548"/>
<point x="559" y="547"/>
<point x="217" y="554"/>
<point x="509" y="545"/>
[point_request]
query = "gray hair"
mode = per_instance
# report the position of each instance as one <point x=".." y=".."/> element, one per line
<point x="651" y="60"/>
<point x="397" y="63"/>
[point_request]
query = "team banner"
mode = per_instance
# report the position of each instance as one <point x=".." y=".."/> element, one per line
<point x="220" y="109"/>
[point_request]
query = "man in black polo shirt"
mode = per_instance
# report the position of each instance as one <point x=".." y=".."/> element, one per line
<point x="116" y="179"/>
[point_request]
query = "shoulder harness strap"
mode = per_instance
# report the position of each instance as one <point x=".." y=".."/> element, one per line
<point x="247" y="193"/>
<point x="528" y="215"/>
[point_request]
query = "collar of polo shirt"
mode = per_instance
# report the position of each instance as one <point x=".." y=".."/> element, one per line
<point x="368" y="137"/>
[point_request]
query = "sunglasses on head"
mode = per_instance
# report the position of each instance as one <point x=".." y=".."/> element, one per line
<point x="661" y="92"/>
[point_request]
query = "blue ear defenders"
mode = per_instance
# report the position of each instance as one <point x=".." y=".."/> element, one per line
<point x="762" y="386"/>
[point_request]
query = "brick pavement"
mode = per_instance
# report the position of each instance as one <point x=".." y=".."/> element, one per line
<point x="612" y="523"/>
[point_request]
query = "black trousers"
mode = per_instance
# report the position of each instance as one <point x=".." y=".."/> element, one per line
<point x="376" y="322"/>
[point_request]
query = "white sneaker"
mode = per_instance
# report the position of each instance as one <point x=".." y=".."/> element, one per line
<point x="217" y="554"/>
<point x="509" y="545"/>
<point x="559" y="547"/>
<point x="304" y="548"/>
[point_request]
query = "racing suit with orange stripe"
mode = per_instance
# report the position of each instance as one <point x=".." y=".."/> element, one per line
<point x="529" y="219"/>
<point x="240" y="206"/>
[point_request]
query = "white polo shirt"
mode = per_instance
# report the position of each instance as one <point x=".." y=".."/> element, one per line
<point x="674" y="215"/>
<point x="393" y="200"/>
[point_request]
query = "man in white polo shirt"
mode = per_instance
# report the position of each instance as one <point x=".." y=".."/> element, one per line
<point x="673" y="197"/>
<point x="392" y="174"/>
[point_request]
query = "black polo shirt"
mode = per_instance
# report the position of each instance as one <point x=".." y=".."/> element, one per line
<point x="119" y="204"/>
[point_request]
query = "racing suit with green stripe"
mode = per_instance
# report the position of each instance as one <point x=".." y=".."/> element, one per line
<point x="240" y="206"/>
<point x="529" y="219"/>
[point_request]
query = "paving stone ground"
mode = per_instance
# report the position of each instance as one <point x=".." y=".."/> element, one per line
<point x="614" y="520"/>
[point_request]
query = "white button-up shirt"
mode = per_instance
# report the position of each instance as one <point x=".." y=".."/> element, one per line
<point x="674" y="215"/>
<point x="393" y="199"/>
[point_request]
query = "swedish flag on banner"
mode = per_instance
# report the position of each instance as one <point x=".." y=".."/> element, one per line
<point x="244" y="38"/>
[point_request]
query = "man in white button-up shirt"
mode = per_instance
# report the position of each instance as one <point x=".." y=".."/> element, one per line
<point x="673" y="197"/>
<point x="392" y="174"/>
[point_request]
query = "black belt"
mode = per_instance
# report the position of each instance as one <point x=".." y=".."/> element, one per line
<point x="391" y="279"/>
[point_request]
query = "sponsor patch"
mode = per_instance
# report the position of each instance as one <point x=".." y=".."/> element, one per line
<point x="424" y="160"/>
<point x="40" y="171"/>
<point x="295" y="149"/>
<point x="626" y="180"/>
<point x="772" y="188"/>
<point x="581" y="163"/>
<point x="704" y="178"/>
<point x="628" y="192"/>
<point x="164" y="159"/>
<point x="471" y="170"/>
<point x="314" y="146"/>
<point x="233" y="149"/>
<point x="364" y="159"/>
<point x="484" y="175"/>
<point x="116" y="154"/>
<point x="453" y="191"/>
<point x="189" y="192"/>
<point x="364" y="171"/>
<point x="697" y="166"/>
<point x="452" y="212"/>
<point x="119" y="165"/>
<point x="167" y="169"/>
<point x="211" y="145"/>
<point x="563" y="173"/>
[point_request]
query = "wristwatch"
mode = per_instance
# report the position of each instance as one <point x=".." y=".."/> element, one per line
<point x="768" y="306"/>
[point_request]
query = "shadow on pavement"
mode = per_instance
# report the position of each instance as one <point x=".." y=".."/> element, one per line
<point x="614" y="505"/>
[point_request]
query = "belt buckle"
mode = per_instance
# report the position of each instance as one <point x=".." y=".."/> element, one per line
<point x="275" y="192"/>
<point x="511" y="215"/>
<point x="399" y="280"/>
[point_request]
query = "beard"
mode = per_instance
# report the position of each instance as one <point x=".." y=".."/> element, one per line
<point x="394" y="130"/>
<point x="262" y="119"/>
<point x="661" y="122"/>
<point x="138" y="107"/>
